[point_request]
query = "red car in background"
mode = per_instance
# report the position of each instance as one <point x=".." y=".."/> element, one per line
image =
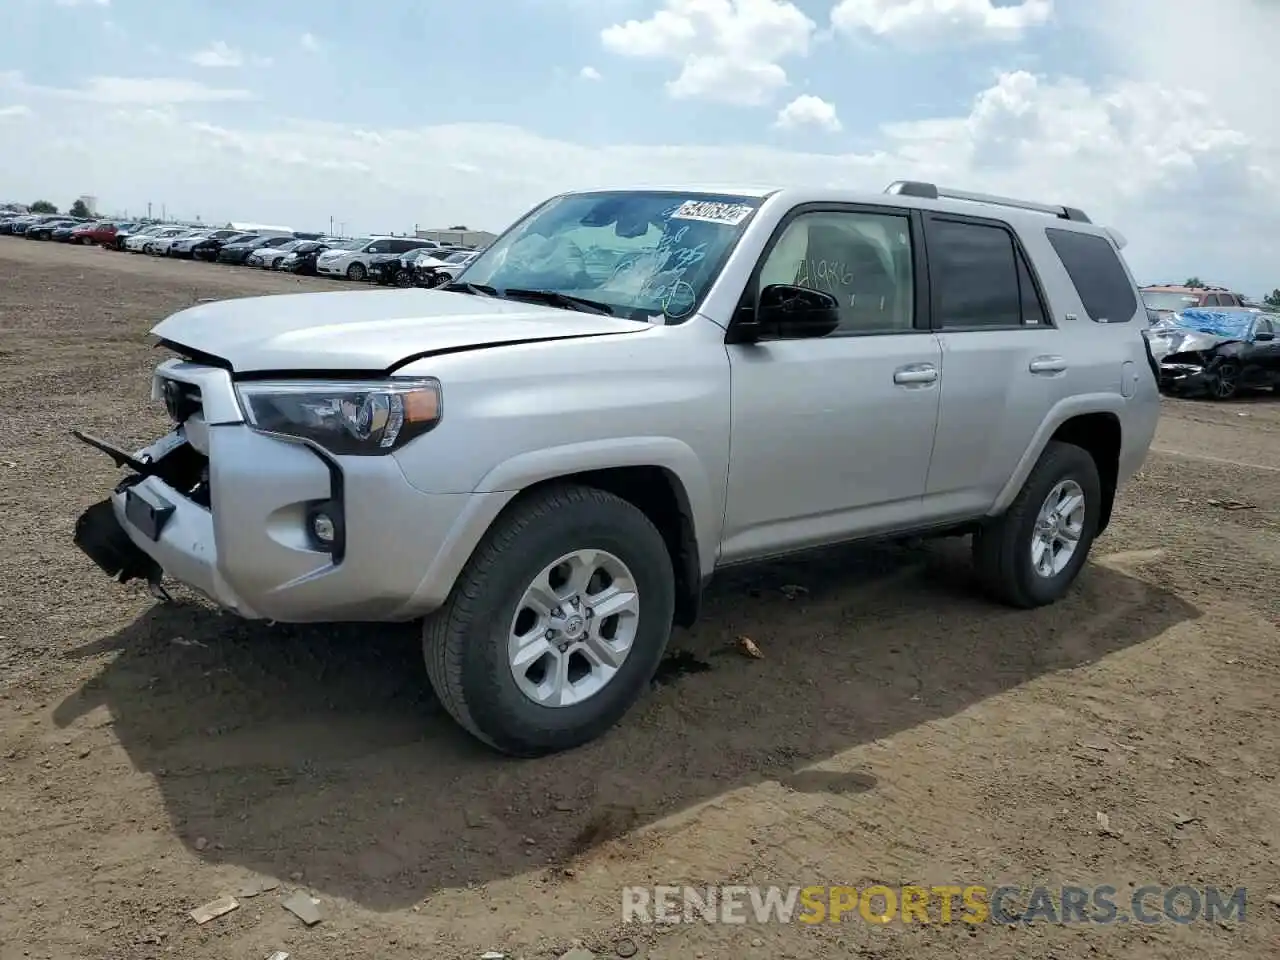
<point x="102" y="233"/>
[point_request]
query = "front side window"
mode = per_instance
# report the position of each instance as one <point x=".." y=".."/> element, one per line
<point x="637" y="253"/>
<point x="862" y="259"/>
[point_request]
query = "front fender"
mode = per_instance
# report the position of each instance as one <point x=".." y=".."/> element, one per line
<point x="675" y="456"/>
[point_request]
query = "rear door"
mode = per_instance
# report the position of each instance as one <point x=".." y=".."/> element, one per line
<point x="1004" y="362"/>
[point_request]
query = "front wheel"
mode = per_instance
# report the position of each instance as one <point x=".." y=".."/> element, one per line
<point x="556" y="624"/>
<point x="1030" y="556"/>
<point x="1224" y="381"/>
<point x="357" y="272"/>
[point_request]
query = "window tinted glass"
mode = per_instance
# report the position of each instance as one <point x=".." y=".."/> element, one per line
<point x="1033" y="311"/>
<point x="378" y="246"/>
<point x="1097" y="275"/>
<point x="862" y="259"/>
<point x="975" y="275"/>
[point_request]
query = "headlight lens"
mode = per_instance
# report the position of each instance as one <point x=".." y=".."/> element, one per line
<point x="359" y="417"/>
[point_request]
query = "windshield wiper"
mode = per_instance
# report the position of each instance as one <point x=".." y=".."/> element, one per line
<point x="479" y="289"/>
<point x="555" y="298"/>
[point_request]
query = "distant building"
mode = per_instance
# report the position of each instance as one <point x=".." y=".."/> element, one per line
<point x="91" y="204"/>
<point x="459" y="237"/>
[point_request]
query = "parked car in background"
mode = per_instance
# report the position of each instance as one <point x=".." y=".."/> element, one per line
<point x="302" y="259"/>
<point x="131" y="241"/>
<point x="63" y="233"/>
<point x="268" y="256"/>
<point x="44" y="231"/>
<point x="238" y="253"/>
<point x="434" y="272"/>
<point x="162" y="245"/>
<point x="1166" y="301"/>
<point x="1219" y="352"/>
<point x="102" y="233"/>
<point x="353" y="262"/>
<point x="124" y="233"/>
<point x="158" y="244"/>
<point x="209" y="248"/>
<point x="183" y="247"/>
<point x="392" y="269"/>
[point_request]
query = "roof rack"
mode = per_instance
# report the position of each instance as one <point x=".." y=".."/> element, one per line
<point x="931" y="191"/>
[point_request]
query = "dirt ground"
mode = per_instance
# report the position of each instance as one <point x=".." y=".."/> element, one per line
<point x="898" y="729"/>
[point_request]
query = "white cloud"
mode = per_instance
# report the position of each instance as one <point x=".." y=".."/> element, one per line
<point x="807" y="110"/>
<point x="311" y="43"/>
<point x="589" y="73"/>
<point x="939" y="21"/>
<point x="728" y="50"/>
<point x="1152" y="160"/>
<point x="218" y="54"/>
<point x="15" y="110"/>
<point x="128" y="90"/>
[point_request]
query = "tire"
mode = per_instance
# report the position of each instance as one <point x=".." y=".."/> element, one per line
<point x="465" y="643"/>
<point x="404" y="278"/>
<point x="1225" y="382"/>
<point x="1002" y="550"/>
<point x="357" y="272"/>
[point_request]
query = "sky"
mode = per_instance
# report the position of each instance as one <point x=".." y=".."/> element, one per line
<point x="1151" y="115"/>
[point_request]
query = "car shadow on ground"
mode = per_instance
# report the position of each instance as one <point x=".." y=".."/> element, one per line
<point x="320" y="751"/>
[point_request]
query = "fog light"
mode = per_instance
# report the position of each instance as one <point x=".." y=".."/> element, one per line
<point x="323" y="528"/>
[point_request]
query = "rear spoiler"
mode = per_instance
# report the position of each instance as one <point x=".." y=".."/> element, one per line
<point x="1117" y="237"/>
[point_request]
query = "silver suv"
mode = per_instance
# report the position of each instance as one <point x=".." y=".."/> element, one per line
<point x="549" y="457"/>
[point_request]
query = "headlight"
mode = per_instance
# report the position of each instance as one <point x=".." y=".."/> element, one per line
<point x="359" y="418"/>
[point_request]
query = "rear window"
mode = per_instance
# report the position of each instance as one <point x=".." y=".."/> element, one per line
<point x="1097" y="274"/>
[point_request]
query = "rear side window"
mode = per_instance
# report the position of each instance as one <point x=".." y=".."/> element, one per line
<point x="980" y="278"/>
<point x="1097" y="275"/>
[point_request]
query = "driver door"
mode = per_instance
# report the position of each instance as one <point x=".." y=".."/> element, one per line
<point x="832" y="436"/>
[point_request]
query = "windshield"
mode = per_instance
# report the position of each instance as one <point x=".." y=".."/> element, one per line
<point x="638" y="252"/>
<point x="1168" y="301"/>
<point x="458" y="257"/>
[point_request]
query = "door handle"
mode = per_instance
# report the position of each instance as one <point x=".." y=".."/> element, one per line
<point x="916" y="373"/>
<point x="1047" y="365"/>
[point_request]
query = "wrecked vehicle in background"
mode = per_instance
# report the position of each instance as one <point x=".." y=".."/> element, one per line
<point x="1217" y="353"/>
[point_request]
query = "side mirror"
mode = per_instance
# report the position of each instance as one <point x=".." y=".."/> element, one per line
<point x="785" y="311"/>
<point x="1264" y="336"/>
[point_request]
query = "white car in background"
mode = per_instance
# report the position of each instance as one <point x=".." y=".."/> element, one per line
<point x="437" y="271"/>
<point x="352" y="262"/>
<point x="161" y="246"/>
<point x="270" y="258"/>
<point x="143" y="244"/>
<point x="136" y="241"/>
<point x="182" y="246"/>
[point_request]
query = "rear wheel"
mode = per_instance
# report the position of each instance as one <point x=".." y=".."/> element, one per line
<point x="357" y="272"/>
<point x="1030" y="556"/>
<point x="404" y="278"/>
<point x="556" y="624"/>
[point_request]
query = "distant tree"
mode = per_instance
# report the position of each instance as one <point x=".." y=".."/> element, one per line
<point x="43" y="206"/>
<point x="80" y="209"/>
<point x="1272" y="299"/>
<point x="1195" y="283"/>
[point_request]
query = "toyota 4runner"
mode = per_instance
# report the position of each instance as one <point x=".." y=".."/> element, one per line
<point x="549" y="457"/>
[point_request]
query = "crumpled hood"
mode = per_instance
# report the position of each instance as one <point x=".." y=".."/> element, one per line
<point x="368" y="330"/>
<point x="1171" y="339"/>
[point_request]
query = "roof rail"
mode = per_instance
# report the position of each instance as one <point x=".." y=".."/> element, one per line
<point x="931" y="191"/>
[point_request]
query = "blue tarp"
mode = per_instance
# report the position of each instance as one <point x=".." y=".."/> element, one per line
<point x="1219" y="323"/>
